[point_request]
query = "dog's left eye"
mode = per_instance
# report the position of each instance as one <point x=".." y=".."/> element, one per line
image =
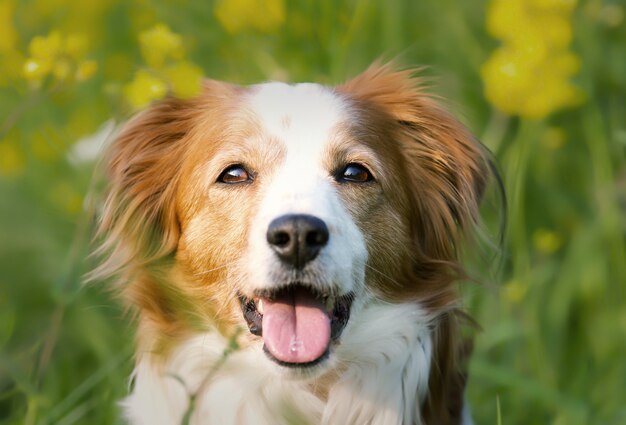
<point x="355" y="173"/>
<point x="234" y="174"/>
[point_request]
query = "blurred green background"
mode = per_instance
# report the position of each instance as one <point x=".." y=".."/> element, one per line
<point x="541" y="82"/>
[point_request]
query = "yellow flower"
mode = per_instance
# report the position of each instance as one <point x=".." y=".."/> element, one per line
<point x="57" y="55"/>
<point x="158" y="44"/>
<point x="8" y="34"/>
<point x="506" y="17"/>
<point x="167" y="69"/>
<point x="43" y="54"/>
<point x="86" y="70"/>
<point x="144" y="89"/>
<point x="529" y="74"/>
<point x="185" y="79"/>
<point x="546" y="241"/>
<point x="239" y="15"/>
<point x="36" y="69"/>
<point x="514" y="291"/>
<point x="46" y="48"/>
<point x="555" y="28"/>
<point x="531" y="47"/>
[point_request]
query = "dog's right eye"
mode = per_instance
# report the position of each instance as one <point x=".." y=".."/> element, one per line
<point x="355" y="173"/>
<point x="234" y="174"/>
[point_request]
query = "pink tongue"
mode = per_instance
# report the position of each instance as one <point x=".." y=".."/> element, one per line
<point x="296" y="327"/>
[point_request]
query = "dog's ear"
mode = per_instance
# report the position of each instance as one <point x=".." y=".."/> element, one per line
<point x="138" y="222"/>
<point x="446" y="166"/>
<point x="446" y="170"/>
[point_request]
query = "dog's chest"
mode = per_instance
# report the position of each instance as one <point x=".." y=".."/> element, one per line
<point x="381" y="377"/>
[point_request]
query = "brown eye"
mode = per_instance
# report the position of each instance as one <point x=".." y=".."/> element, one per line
<point x="355" y="173"/>
<point x="234" y="174"/>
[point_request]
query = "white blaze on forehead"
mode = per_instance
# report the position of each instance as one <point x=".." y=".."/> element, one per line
<point x="302" y="116"/>
<point x="305" y="119"/>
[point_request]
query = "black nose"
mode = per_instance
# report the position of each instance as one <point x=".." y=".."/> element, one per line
<point x="297" y="238"/>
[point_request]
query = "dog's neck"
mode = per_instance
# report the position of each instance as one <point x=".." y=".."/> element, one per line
<point x="380" y="376"/>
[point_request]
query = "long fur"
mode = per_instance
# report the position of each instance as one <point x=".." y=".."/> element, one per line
<point x="175" y="245"/>
<point x="383" y="358"/>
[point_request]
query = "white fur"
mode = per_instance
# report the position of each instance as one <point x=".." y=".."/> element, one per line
<point x="382" y="367"/>
<point x="303" y="118"/>
<point x="379" y="369"/>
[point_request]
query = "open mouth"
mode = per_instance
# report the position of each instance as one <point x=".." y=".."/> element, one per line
<point x="297" y="322"/>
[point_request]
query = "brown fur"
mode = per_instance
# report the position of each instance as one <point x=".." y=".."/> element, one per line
<point x="175" y="268"/>
<point x="445" y="173"/>
<point x="141" y="223"/>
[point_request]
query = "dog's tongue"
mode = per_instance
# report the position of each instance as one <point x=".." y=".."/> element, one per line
<point x="296" y="327"/>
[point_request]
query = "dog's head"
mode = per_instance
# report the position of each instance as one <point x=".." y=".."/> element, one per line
<point x="282" y="208"/>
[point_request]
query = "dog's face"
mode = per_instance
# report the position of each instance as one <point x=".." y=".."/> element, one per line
<point x="282" y="208"/>
<point x="292" y="203"/>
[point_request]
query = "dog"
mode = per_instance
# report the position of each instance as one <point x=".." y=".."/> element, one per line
<point x="292" y="253"/>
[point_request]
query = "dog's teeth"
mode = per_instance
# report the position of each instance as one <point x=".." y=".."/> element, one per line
<point x="259" y="306"/>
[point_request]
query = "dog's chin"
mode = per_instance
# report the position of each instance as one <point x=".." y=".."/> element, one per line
<point x="298" y="326"/>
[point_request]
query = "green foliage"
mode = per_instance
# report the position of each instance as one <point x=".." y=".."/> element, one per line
<point x="552" y="348"/>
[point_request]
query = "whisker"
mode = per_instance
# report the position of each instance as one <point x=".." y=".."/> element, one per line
<point x="383" y="274"/>
<point x="202" y="273"/>
<point x="219" y="311"/>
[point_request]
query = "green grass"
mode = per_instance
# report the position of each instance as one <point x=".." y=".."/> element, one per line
<point x="553" y="342"/>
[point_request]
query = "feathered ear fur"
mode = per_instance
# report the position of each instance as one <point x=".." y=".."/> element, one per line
<point x="447" y="171"/>
<point x="446" y="166"/>
<point x="139" y="225"/>
<point x="138" y="220"/>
